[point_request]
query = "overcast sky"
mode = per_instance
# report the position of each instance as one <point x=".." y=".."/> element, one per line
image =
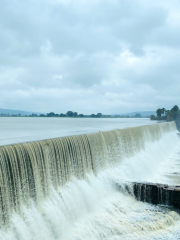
<point x="109" y="56"/>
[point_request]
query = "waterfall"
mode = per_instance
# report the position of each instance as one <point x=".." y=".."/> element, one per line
<point x="30" y="170"/>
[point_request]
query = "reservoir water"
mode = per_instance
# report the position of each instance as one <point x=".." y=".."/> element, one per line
<point x="64" y="188"/>
<point x="22" y="129"/>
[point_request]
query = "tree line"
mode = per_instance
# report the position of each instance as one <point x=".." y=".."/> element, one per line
<point x="71" y="114"/>
<point x="169" y="115"/>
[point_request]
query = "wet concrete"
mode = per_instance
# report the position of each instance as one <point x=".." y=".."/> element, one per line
<point x="155" y="193"/>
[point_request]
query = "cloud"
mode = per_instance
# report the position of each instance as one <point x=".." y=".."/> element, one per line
<point x="89" y="56"/>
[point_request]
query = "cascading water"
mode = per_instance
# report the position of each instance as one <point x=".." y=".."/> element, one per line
<point x="63" y="188"/>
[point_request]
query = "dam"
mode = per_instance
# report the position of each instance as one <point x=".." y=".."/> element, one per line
<point x="65" y="187"/>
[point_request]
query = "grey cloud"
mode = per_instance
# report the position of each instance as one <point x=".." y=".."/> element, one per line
<point x="90" y="56"/>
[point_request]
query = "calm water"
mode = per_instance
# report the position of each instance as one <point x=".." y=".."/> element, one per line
<point x="17" y="130"/>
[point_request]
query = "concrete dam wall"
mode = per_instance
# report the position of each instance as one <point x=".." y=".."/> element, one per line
<point x="29" y="171"/>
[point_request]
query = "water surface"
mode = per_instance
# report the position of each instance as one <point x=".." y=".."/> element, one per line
<point x="24" y="129"/>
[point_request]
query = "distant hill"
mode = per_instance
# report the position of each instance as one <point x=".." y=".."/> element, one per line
<point x="143" y="114"/>
<point x="15" y="112"/>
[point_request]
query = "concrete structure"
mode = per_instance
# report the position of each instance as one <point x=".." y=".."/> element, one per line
<point x="157" y="193"/>
<point x="154" y="193"/>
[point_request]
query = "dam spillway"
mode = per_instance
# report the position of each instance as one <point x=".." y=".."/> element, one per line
<point x="155" y="193"/>
<point x="31" y="173"/>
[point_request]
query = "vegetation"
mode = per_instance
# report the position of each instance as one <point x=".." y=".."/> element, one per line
<point x="71" y="114"/>
<point x="168" y="115"/>
<point x="74" y="115"/>
<point x="152" y="117"/>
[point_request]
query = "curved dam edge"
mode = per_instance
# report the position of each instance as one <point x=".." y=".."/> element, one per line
<point x="88" y="133"/>
<point x="30" y="170"/>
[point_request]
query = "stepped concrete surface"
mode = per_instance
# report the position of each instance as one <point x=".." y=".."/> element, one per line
<point x="154" y="193"/>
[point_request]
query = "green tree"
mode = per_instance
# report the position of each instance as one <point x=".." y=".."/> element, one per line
<point x="163" y="110"/>
<point x="174" y="112"/>
<point x="175" y="109"/>
<point x="168" y="115"/>
<point x="152" y="117"/>
<point x="168" y="112"/>
<point x="99" y="115"/>
<point x="51" y="114"/>
<point x="62" y="115"/>
<point x="93" y="115"/>
<point x="159" y="112"/>
<point x="69" y="114"/>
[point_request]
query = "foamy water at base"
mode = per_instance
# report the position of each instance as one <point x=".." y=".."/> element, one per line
<point x="93" y="209"/>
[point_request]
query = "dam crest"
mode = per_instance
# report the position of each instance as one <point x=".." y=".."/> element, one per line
<point x="29" y="171"/>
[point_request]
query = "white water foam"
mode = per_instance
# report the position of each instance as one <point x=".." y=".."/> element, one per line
<point x="94" y="209"/>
